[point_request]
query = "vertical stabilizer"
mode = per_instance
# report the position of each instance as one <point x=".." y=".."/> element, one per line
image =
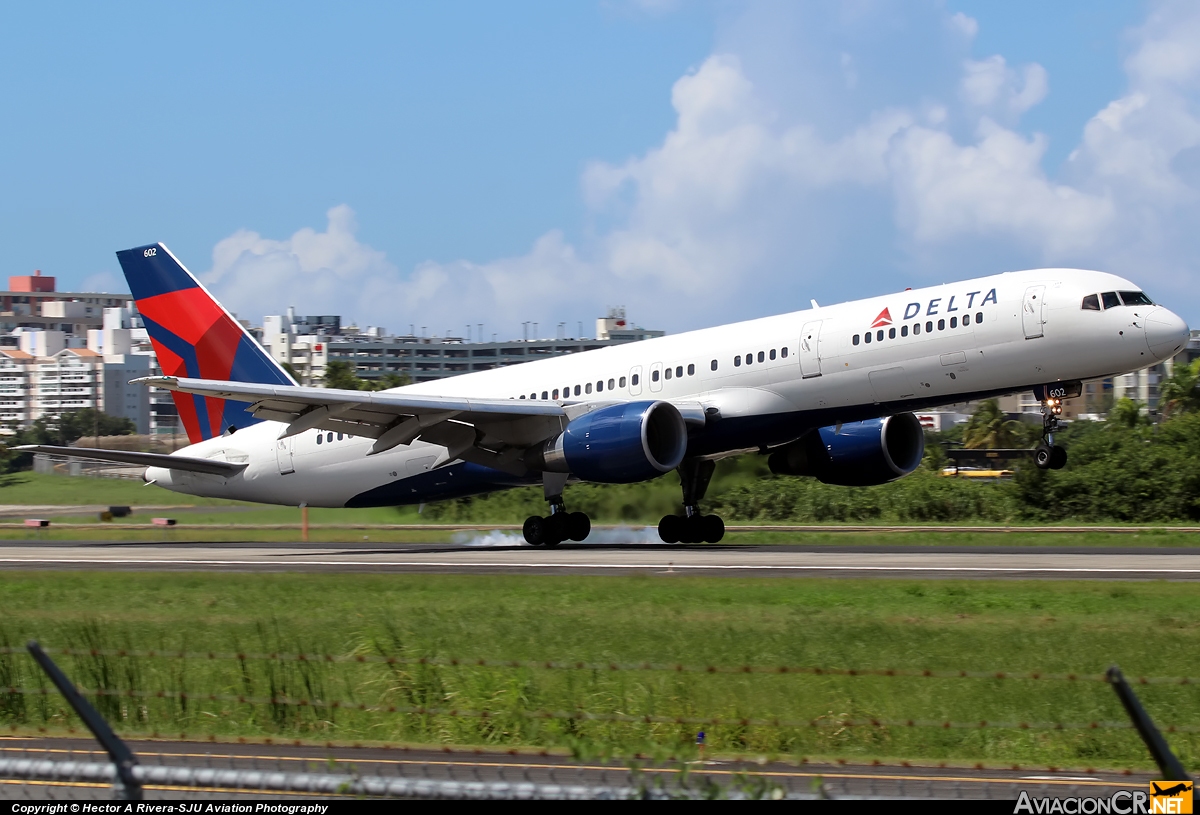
<point x="194" y="336"/>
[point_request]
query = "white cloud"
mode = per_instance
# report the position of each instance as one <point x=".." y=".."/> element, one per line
<point x="991" y="84"/>
<point x="751" y="199"/>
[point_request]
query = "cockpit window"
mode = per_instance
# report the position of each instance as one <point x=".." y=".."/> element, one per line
<point x="1110" y="299"/>
<point x="1091" y="302"/>
<point x="1136" y="298"/>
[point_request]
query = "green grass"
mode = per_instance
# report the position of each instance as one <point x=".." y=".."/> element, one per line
<point x="1147" y="628"/>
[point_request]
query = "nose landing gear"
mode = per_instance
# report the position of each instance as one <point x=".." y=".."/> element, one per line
<point x="1048" y="455"/>
<point x="560" y="525"/>
<point x="693" y="526"/>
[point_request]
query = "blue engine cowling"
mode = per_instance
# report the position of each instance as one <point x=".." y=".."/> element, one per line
<point x="618" y="444"/>
<point x="857" y="454"/>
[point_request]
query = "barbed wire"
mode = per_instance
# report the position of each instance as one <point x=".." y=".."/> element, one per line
<point x="583" y="715"/>
<point x="928" y="673"/>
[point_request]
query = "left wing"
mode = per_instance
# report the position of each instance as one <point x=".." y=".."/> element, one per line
<point x="492" y="432"/>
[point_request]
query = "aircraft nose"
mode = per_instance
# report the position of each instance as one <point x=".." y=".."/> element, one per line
<point x="1166" y="333"/>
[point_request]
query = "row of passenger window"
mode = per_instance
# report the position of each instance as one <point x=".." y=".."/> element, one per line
<point x="580" y="390"/>
<point x="1112" y="299"/>
<point x="916" y="329"/>
<point x="749" y="358"/>
<point x="328" y="437"/>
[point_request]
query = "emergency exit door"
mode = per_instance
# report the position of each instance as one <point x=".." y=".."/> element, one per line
<point x="810" y="356"/>
<point x="1032" y="311"/>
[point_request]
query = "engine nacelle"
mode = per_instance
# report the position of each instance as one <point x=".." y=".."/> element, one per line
<point x="618" y="444"/>
<point x="859" y="454"/>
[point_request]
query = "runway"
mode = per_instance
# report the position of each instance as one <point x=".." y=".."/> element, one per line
<point x="982" y="562"/>
<point x="838" y="779"/>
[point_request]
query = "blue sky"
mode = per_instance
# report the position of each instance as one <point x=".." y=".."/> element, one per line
<point x="452" y="163"/>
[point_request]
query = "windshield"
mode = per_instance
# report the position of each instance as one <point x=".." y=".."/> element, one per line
<point x="1136" y="298"/>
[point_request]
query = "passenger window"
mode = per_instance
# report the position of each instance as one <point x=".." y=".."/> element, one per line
<point x="533" y="395"/>
<point x="545" y="395"/>
<point x="691" y="370"/>
<point x="978" y="317"/>
<point x="928" y="326"/>
<point x="634" y="380"/>
<point x="576" y="390"/>
<point x="600" y="386"/>
<point x="879" y="335"/>
<point x="522" y="396"/>
<point x="713" y="365"/>
<point x="654" y="376"/>
<point x="783" y="352"/>
<point x="966" y="319"/>
<point x="916" y="329"/>
<point x="621" y="382"/>
<point x="954" y="322"/>
<point x="891" y="333"/>
<point x="749" y="358"/>
<point x="555" y="394"/>
<point x="1135" y="298"/>
<point x="737" y="362"/>
<point x="941" y="325"/>
<point x="667" y="373"/>
<point x="855" y="340"/>
<point x="587" y="388"/>
<point x="320" y="438"/>
<point x="1110" y="299"/>
<point x="339" y="436"/>
<point x="903" y="331"/>
<point x="678" y="370"/>
<point x="867" y="336"/>
<point x="772" y="355"/>
<point x="1091" y="302"/>
<point x="762" y="357"/>
<point x="610" y="384"/>
<point x="329" y="438"/>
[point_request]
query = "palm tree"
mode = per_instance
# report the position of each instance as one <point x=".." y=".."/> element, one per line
<point x="1127" y="413"/>
<point x="1181" y="390"/>
<point x="990" y="428"/>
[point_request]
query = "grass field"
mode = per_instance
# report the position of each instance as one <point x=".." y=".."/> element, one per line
<point x="201" y="519"/>
<point x="1055" y="627"/>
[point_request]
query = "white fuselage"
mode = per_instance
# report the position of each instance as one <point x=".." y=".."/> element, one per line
<point x="1025" y="329"/>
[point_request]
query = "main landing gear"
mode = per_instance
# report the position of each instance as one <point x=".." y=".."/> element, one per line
<point x="1048" y="455"/>
<point x="692" y="526"/>
<point x="560" y="525"/>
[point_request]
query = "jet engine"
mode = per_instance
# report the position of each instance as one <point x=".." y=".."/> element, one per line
<point x="855" y="454"/>
<point x="618" y="444"/>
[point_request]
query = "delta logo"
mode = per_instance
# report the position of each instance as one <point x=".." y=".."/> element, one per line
<point x="938" y="305"/>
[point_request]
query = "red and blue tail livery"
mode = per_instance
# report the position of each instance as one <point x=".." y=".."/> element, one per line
<point x="195" y="337"/>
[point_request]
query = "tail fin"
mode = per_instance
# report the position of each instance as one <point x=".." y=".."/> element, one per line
<point x="194" y="336"/>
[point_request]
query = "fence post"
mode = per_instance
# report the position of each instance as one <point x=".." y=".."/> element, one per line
<point x="126" y="787"/>
<point x="1167" y="763"/>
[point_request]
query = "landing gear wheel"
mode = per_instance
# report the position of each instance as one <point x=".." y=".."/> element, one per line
<point x="1043" y="456"/>
<point x="1058" y="458"/>
<point x="713" y="527"/>
<point x="534" y="530"/>
<point x="556" y="529"/>
<point x="671" y="528"/>
<point x="579" y="526"/>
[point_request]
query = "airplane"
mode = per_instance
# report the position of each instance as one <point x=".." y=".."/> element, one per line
<point x="826" y="392"/>
<point x="1170" y="791"/>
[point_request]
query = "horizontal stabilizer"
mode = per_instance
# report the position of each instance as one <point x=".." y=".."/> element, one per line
<point x="187" y="463"/>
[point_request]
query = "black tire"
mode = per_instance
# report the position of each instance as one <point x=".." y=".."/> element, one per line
<point x="579" y="525"/>
<point x="1042" y="456"/>
<point x="714" y="528"/>
<point x="534" y="530"/>
<point x="557" y="526"/>
<point x="670" y="528"/>
<point x="692" y="531"/>
<point x="1058" y="458"/>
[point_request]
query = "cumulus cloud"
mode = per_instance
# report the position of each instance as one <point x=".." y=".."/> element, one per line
<point x="752" y="198"/>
